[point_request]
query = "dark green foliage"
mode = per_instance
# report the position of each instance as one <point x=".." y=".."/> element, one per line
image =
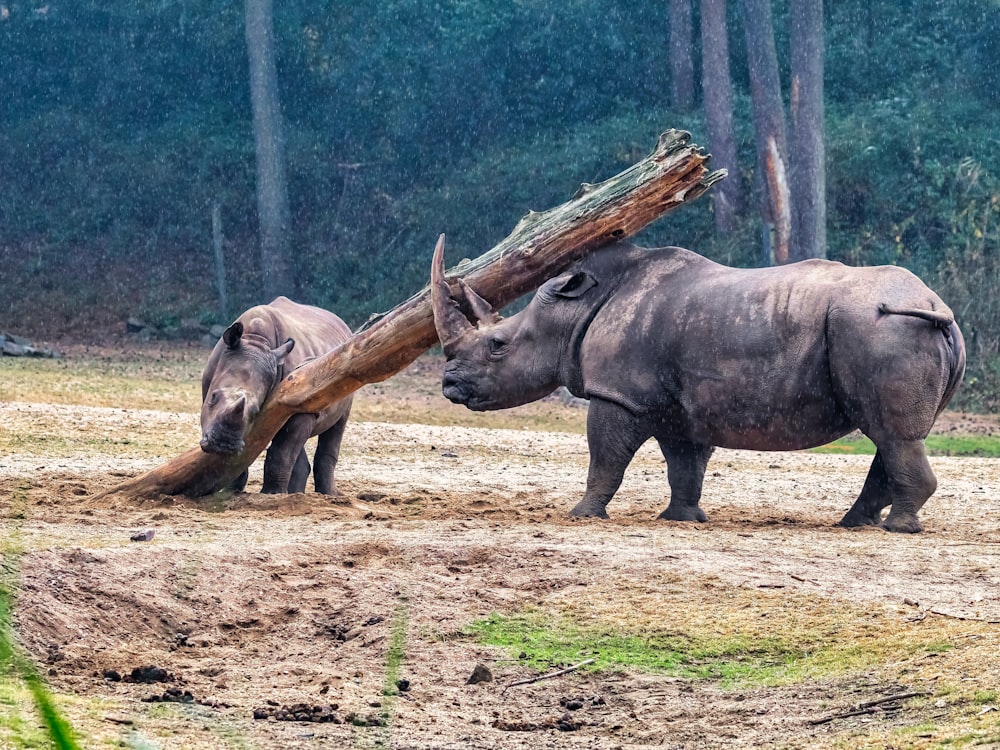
<point x="124" y="122"/>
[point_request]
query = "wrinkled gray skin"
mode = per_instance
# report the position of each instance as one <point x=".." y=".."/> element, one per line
<point x="253" y="356"/>
<point x="669" y="345"/>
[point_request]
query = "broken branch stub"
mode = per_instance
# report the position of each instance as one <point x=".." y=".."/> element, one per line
<point x="541" y="246"/>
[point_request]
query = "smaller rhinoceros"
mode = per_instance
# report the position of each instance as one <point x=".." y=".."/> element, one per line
<point x="669" y="345"/>
<point x="247" y="364"/>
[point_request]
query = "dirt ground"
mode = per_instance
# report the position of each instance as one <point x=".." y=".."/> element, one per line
<point x="263" y="602"/>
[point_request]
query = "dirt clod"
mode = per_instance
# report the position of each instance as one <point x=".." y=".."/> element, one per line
<point x="299" y="712"/>
<point x="149" y="674"/>
<point x="481" y="673"/>
<point x="171" y="695"/>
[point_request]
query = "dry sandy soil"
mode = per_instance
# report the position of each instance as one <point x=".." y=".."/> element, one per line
<point x="261" y="602"/>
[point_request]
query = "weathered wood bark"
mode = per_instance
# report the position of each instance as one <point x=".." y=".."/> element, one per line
<point x="681" y="57"/>
<point x="771" y="133"/>
<point x="540" y="246"/>
<point x="273" y="213"/>
<point x="717" y="91"/>
<point x="807" y="154"/>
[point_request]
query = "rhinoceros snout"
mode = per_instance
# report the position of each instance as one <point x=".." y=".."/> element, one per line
<point x="226" y="444"/>
<point x="455" y="389"/>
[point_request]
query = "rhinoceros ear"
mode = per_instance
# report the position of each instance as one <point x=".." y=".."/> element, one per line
<point x="282" y="351"/>
<point x="233" y="335"/>
<point x="572" y="286"/>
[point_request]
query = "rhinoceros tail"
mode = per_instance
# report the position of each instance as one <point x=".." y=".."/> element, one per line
<point x="942" y="320"/>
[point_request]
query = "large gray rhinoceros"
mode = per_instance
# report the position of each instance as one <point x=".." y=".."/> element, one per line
<point x="246" y="365"/>
<point x="670" y="345"/>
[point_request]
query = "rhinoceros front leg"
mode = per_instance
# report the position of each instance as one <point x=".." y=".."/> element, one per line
<point x="613" y="436"/>
<point x="686" y="463"/>
<point x="326" y="456"/>
<point x="284" y="453"/>
<point x="239" y="484"/>
<point x="901" y="477"/>
<point x="300" y="473"/>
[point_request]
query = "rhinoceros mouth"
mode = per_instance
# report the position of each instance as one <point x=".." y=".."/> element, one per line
<point x="462" y="394"/>
<point x="457" y="390"/>
<point x="222" y="444"/>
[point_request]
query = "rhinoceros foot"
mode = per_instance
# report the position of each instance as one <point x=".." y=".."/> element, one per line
<point x="585" y="509"/>
<point x="683" y="513"/>
<point x="854" y="518"/>
<point x="902" y="523"/>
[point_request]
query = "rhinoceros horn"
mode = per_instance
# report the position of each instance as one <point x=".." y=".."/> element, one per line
<point x="449" y="320"/>
<point x="481" y="310"/>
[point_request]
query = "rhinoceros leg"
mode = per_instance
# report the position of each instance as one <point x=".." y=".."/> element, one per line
<point x="326" y="456"/>
<point x="900" y="477"/>
<point x="240" y="483"/>
<point x="613" y="436"/>
<point x="867" y="509"/>
<point x="284" y="452"/>
<point x="686" y="464"/>
<point x="300" y="473"/>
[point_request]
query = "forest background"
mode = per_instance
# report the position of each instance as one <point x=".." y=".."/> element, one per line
<point x="125" y="126"/>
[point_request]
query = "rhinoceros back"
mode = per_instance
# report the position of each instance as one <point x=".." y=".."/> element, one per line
<point x="316" y="331"/>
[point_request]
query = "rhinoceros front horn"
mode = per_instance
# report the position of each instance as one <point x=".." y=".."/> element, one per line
<point x="451" y="324"/>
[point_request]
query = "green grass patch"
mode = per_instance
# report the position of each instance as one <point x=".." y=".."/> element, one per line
<point x="736" y="638"/>
<point x="983" y="446"/>
<point x="542" y="643"/>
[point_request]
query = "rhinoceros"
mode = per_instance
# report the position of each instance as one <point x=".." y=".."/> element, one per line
<point x="668" y="344"/>
<point x="246" y="365"/>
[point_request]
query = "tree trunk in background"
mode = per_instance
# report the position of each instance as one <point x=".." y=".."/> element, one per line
<point x="769" y="123"/>
<point x="273" y="214"/>
<point x="681" y="57"/>
<point x="541" y="245"/>
<point x="717" y="92"/>
<point x="808" y="155"/>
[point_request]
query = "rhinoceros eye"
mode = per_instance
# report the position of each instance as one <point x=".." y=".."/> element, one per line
<point x="213" y="399"/>
<point x="496" y="345"/>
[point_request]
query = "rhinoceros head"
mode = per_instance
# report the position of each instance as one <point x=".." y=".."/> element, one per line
<point x="494" y="362"/>
<point x="245" y="372"/>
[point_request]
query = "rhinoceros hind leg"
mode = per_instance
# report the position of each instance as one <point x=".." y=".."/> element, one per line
<point x="613" y="436"/>
<point x="867" y="509"/>
<point x="326" y="456"/>
<point x="900" y="477"/>
<point x="686" y="463"/>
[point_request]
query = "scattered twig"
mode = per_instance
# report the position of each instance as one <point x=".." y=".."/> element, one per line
<point x="924" y="611"/>
<point x="869" y="707"/>
<point x="804" y="580"/>
<point x="939" y="613"/>
<point x="845" y="715"/>
<point x="891" y="698"/>
<point x="550" y="675"/>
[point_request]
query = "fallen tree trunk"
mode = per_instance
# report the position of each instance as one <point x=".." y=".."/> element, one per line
<point x="541" y="245"/>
